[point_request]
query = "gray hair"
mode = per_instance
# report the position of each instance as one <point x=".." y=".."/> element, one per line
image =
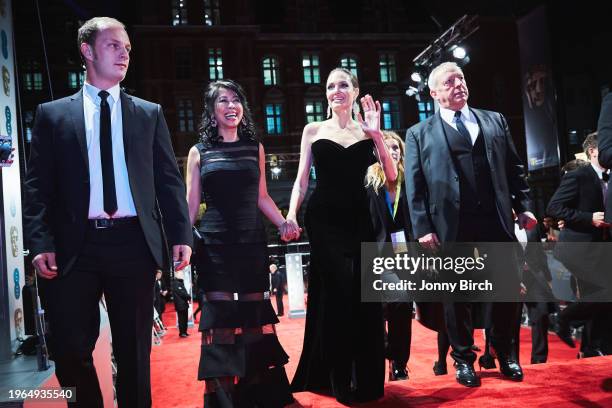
<point x="432" y="81"/>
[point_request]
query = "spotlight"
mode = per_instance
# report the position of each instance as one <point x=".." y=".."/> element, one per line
<point x="416" y="76"/>
<point x="275" y="170"/>
<point x="411" y="91"/>
<point x="459" y="52"/>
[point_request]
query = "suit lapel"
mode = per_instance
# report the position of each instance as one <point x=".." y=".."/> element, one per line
<point x="436" y="131"/>
<point x="486" y="128"/>
<point x="596" y="186"/>
<point x="75" y="107"/>
<point x="127" y="118"/>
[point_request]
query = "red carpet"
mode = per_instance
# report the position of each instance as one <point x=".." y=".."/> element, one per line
<point x="563" y="382"/>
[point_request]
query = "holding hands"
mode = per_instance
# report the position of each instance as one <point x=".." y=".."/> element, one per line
<point x="289" y="230"/>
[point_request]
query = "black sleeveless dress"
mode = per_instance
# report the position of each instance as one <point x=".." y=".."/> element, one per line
<point x="241" y="358"/>
<point x="343" y="349"/>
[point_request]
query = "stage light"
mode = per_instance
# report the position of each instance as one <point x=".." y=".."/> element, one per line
<point x="416" y="76"/>
<point x="459" y="52"/>
<point x="275" y="170"/>
<point x="411" y="91"/>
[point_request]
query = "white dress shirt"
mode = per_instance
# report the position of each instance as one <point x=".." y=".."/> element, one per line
<point x="91" y="110"/>
<point x="468" y="118"/>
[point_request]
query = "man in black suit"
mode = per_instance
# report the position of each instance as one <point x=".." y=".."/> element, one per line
<point x="579" y="201"/>
<point x="100" y="162"/>
<point x="604" y="132"/>
<point x="463" y="179"/>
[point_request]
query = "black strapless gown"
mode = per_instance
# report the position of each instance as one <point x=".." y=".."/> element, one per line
<point x="343" y="350"/>
<point x="241" y="359"/>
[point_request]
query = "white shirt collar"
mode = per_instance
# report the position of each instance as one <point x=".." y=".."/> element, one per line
<point x="449" y="115"/>
<point x="598" y="170"/>
<point x="92" y="92"/>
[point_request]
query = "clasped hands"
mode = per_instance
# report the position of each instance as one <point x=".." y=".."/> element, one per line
<point x="289" y="230"/>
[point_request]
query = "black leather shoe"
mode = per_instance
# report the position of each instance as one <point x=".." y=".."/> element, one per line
<point x="591" y="352"/>
<point x="467" y="376"/>
<point x="510" y="369"/>
<point x="397" y="371"/>
<point x="486" y="361"/>
<point x="537" y="361"/>
<point x="564" y="332"/>
<point x="439" y="368"/>
<point x="183" y="335"/>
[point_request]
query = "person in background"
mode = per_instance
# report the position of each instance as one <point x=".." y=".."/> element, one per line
<point x="159" y="295"/>
<point x="391" y="222"/>
<point x="579" y="202"/>
<point x="181" y="302"/>
<point x="277" y="286"/>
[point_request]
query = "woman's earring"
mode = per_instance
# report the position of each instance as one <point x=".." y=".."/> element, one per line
<point x="213" y="122"/>
<point x="329" y="112"/>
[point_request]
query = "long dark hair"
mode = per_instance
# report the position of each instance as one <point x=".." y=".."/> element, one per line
<point x="209" y="134"/>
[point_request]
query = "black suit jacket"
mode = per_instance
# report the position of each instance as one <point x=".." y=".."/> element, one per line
<point x="382" y="221"/>
<point x="432" y="182"/>
<point x="57" y="182"/>
<point x="604" y="141"/>
<point x="578" y="196"/>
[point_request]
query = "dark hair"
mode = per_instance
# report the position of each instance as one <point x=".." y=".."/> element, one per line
<point x="209" y="134"/>
<point x="573" y="165"/>
<point x="590" y="142"/>
<point x="353" y="77"/>
<point x="89" y="30"/>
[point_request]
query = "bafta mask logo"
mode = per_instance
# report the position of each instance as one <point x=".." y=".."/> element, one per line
<point x="14" y="241"/>
<point x="18" y="323"/>
<point x="9" y="125"/>
<point x="4" y="40"/>
<point x="17" y="283"/>
<point x="6" y="81"/>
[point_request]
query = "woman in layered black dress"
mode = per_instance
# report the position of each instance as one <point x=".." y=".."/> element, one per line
<point x="241" y="359"/>
<point x="343" y="343"/>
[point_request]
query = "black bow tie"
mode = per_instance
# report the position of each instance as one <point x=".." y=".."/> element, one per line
<point x="605" y="177"/>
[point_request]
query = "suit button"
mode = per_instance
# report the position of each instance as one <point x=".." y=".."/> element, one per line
<point x="456" y="201"/>
<point x="456" y="178"/>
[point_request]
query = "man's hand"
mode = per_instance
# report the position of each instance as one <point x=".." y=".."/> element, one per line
<point x="430" y="241"/>
<point x="598" y="220"/>
<point x="527" y="220"/>
<point x="45" y="265"/>
<point x="182" y="254"/>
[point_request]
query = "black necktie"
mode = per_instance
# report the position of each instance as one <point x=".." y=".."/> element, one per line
<point x="106" y="156"/>
<point x="461" y="127"/>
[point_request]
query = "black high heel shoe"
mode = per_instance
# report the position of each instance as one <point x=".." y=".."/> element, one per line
<point x="397" y="372"/>
<point x="486" y="361"/>
<point x="439" y="368"/>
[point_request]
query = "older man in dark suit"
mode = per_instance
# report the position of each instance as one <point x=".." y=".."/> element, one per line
<point x="101" y="174"/>
<point x="463" y="179"/>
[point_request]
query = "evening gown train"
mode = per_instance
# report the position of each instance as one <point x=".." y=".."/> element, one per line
<point x="241" y="358"/>
<point x="343" y="350"/>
